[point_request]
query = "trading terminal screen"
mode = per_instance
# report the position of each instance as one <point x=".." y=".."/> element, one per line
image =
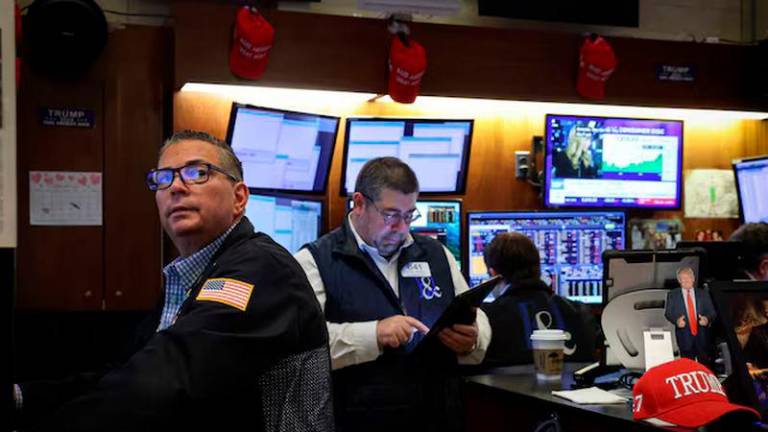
<point x="436" y="150"/>
<point x="292" y="222"/>
<point x="282" y="150"/>
<point x="751" y="180"/>
<point x="570" y="246"/>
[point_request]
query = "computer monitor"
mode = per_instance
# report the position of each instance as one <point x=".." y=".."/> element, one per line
<point x="612" y="162"/>
<point x="751" y="180"/>
<point x="282" y="150"/>
<point x="441" y="220"/>
<point x="436" y="150"/>
<point x="570" y="246"/>
<point x="290" y="221"/>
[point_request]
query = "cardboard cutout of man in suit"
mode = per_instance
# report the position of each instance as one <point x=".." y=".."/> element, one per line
<point x="692" y="313"/>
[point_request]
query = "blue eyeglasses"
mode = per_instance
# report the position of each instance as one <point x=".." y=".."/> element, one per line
<point x="193" y="173"/>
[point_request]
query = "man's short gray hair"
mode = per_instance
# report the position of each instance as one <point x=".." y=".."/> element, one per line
<point x="227" y="158"/>
<point x="385" y="173"/>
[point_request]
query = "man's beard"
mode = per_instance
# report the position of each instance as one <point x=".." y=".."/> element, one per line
<point x="387" y="249"/>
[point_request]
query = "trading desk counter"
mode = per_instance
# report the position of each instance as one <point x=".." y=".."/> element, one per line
<point x="512" y="399"/>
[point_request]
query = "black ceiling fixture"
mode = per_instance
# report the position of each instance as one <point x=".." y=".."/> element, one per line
<point x="64" y="37"/>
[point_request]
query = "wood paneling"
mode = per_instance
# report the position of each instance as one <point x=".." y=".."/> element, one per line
<point x="116" y="265"/>
<point x="59" y="267"/>
<point x="314" y="51"/>
<point x="498" y="133"/>
<point x="346" y="53"/>
<point x="137" y="94"/>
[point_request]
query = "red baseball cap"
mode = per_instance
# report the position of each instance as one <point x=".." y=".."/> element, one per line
<point x="596" y="64"/>
<point x="682" y="393"/>
<point x="407" y="65"/>
<point x="251" y="43"/>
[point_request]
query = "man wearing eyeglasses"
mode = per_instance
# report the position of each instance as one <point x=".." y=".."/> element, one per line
<point x="240" y="337"/>
<point x="381" y="289"/>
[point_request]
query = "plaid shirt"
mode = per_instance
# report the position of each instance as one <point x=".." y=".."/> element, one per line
<point x="181" y="274"/>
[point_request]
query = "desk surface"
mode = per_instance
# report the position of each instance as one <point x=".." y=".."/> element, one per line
<point x="513" y="396"/>
<point x="522" y="380"/>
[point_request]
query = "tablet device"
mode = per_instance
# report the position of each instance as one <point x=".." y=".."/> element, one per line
<point x="459" y="311"/>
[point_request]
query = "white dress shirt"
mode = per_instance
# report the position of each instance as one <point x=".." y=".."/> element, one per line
<point x="353" y="343"/>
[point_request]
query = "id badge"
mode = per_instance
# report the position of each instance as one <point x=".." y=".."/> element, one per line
<point x="418" y="269"/>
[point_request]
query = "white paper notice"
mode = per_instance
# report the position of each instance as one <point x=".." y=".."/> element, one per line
<point x="64" y="198"/>
<point x="710" y="193"/>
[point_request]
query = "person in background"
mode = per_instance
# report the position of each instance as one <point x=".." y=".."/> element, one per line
<point x="240" y="336"/>
<point x="754" y="238"/>
<point x="381" y="289"/>
<point x="691" y="311"/>
<point x="522" y="302"/>
<point x="755" y="347"/>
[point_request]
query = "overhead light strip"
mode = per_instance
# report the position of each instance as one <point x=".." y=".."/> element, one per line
<point x="308" y="99"/>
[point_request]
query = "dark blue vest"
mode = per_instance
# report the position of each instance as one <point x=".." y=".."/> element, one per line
<point x="390" y="391"/>
<point x="357" y="291"/>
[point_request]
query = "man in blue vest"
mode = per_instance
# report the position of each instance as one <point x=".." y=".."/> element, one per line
<point x="381" y="289"/>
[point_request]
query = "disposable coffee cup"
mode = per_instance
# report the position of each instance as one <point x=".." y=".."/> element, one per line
<point x="548" y="346"/>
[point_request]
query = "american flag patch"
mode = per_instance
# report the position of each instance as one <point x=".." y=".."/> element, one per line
<point x="228" y="291"/>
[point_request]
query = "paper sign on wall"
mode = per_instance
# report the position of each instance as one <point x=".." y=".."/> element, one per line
<point x="710" y="193"/>
<point x="65" y="198"/>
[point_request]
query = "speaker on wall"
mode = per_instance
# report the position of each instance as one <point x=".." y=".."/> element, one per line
<point x="64" y="37"/>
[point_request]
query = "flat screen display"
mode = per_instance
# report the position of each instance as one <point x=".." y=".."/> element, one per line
<point x="436" y="150"/>
<point x="440" y="220"/>
<point x="282" y="150"/>
<point x="612" y="162"/>
<point x="752" y="182"/>
<point x="290" y="221"/>
<point x="570" y="246"/>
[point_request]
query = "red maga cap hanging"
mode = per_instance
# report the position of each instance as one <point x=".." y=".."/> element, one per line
<point x="407" y="64"/>
<point x="596" y="63"/>
<point x="251" y="43"/>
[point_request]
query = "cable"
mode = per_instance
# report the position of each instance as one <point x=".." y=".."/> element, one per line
<point x="550" y="425"/>
<point x="628" y="379"/>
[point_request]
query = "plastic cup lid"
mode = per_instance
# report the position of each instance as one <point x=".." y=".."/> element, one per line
<point x="549" y="335"/>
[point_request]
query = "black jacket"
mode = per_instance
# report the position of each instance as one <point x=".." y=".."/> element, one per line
<point x="216" y="366"/>
<point x="524" y="307"/>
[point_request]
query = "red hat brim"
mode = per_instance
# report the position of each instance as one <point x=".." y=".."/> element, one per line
<point x="701" y="413"/>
